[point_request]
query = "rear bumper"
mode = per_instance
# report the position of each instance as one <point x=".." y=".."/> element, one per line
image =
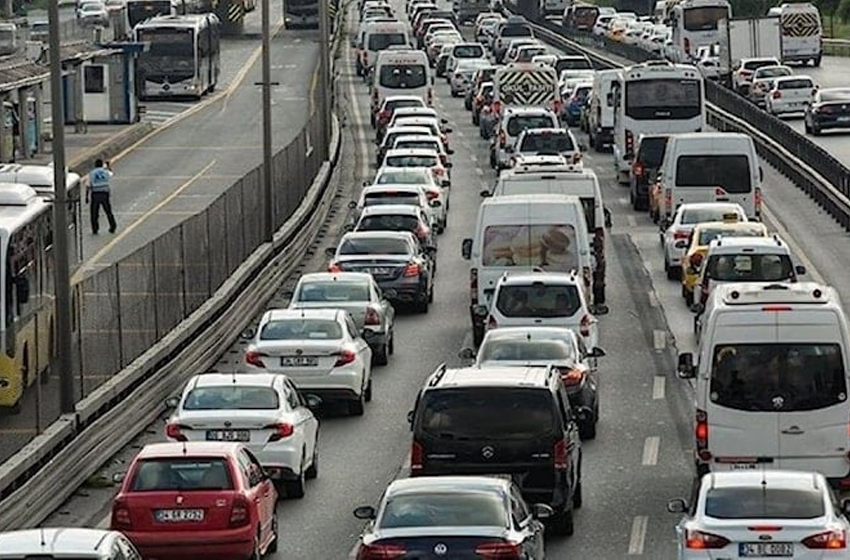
<point x="228" y="543"/>
<point x="343" y="385"/>
<point x="833" y="122"/>
<point x="278" y="460"/>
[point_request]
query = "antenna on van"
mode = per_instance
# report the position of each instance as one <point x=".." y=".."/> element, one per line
<point x="41" y="537"/>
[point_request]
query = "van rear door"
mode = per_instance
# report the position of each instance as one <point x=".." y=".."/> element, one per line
<point x="712" y="177"/>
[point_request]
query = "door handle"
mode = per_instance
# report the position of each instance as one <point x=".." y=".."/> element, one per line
<point x="793" y="431"/>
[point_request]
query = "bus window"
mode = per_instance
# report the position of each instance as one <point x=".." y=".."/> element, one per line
<point x="704" y="18"/>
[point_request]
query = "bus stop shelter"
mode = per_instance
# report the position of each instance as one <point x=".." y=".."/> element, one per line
<point x="22" y="94"/>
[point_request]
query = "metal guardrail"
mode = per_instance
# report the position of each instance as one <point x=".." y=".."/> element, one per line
<point x="836" y="47"/>
<point x="809" y="166"/>
<point x="39" y="478"/>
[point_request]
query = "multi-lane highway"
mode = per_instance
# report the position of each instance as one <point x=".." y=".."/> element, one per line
<point x="641" y="456"/>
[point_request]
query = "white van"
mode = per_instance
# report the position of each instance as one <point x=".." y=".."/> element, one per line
<point x="380" y="35"/>
<point x="523" y="233"/>
<point x="771" y="381"/>
<point x="710" y="167"/>
<point x="802" y="32"/>
<point x="600" y="121"/>
<point x="401" y="71"/>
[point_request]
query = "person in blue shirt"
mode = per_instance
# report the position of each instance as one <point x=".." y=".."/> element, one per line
<point x="98" y="190"/>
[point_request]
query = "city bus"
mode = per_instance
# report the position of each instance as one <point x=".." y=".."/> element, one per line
<point x="183" y="58"/>
<point x="140" y="10"/>
<point x="301" y="14"/>
<point x="694" y="25"/>
<point x="27" y="302"/>
<point x="655" y="97"/>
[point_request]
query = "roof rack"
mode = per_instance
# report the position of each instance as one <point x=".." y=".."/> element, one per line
<point x="799" y="293"/>
<point x="438" y="375"/>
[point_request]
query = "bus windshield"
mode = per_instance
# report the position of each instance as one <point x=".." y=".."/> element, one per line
<point x="168" y="43"/>
<point x="704" y="18"/>
<point x="663" y="99"/>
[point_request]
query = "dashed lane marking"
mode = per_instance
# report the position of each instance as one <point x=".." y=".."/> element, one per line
<point x="659" y="340"/>
<point x="638" y="535"/>
<point x="650" y="451"/>
<point x="659" y="386"/>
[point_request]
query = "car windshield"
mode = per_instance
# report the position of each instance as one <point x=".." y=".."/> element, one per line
<point x="392" y="105"/>
<point x="456" y="509"/>
<point x="772" y="72"/>
<point x="523" y="122"/>
<point x="403" y="76"/>
<point x="393" y="197"/>
<point x="411" y="161"/>
<point x="416" y="145"/>
<point x="764" y="503"/>
<point x="777" y="377"/>
<point x="374" y="246"/>
<point x="388" y="222"/>
<point x="516" y="31"/>
<point x="797" y="83"/>
<point x="380" y="41"/>
<point x="538" y="300"/>
<point x="301" y="329"/>
<point x="232" y="397"/>
<point x="750" y="267"/>
<point x="708" y="235"/>
<point x="488" y="413"/>
<point x="184" y="474"/>
<point x="405" y="177"/>
<point x="547" y="142"/>
<point x="572" y="64"/>
<point x="692" y="216"/>
<point x="526" y="351"/>
<point x="333" y="292"/>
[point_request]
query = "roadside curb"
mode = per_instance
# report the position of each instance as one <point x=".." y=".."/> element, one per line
<point x="110" y="147"/>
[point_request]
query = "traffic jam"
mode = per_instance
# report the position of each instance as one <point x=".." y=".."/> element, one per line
<point x="496" y="461"/>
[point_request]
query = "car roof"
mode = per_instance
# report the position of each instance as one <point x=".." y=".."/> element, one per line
<point x="453" y="484"/>
<point x="731" y="226"/>
<point x="771" y="478"/>
<point x="245" y="379"/>
<point x="496" y="376"/>
<point x="559" y="278"/>
<point x="58" y="541"/>
<point x="549" y="130"/>
<point x="378" y="235"/>
<point x="404" y="98"/>
<point x="512" y="111"/>
<point x="418" y="138"/>
<point x="280" y="314"/>
<point x="709" y="206"/>
<point x="755" y="241"/>
<point x="336" y="276"/>
<point x="391" y="210"/>
<point x="388" y="187"/>
<point x="412" y="152"/>
<point x="188" y="449"/>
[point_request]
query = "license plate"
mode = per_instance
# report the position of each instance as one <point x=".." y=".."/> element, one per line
<point x="380" y="270"/>
<point x="179" y="515"/>
<point x="299" y="361"/>
<point x="228" y="435"/>
<point x="755" y="550"/>
<point x="743" y="466"/>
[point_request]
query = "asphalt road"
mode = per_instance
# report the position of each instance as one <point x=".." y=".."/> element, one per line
<point x="183" y="168"/>
<point x="641" y="456"/>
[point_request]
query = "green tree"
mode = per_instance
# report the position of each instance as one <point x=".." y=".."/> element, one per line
<point x="843" y="11"/>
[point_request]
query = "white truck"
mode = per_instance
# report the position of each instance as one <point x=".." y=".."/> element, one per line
<point x="744" y="38"/>
<point x="802" y="32"/>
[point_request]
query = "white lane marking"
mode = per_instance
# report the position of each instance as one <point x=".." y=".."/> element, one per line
<point x="659" y="339"/>
<point x="638" y="536"/>
<point x="630" y="220"/>
<point x="659" y="386"/>
<point x="624" y="201"/>
<point x="479" y="171"/>
<point x="104" y="523"/>
<point x="650" y="451"/>
<point x="653" y="299"/>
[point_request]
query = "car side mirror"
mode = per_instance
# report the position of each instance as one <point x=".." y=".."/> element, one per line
<point x="597" y="352"/>
<point x="353" y="203"/>
<point x="448" y="165"/>
<point x="485" y="193"/>
<point x="172" y="402"/>
<point x="445" y="183"/>
<point x="679" y="505"/>
<point x="444" y="121"/>
<point x="410" y="417"/>
<point x="118" y="478"/>
<point x="466" y="248"/>
<point x="698" y="308"/>
<point x="313" y="401"/>
<point x="365" y="183"/>
<point x="434" y="203"/>
<point x="348" y="228"/>
<point x="541" y="511"/>
<point x="800" y="269"/>
<point x="365" y="512"/>
<point x="248" y="333"/>
<point x="450" y="152"/>
<point x="466" y="354"/>
<point x="330" y="252"/>
<point x="686" y="366"/>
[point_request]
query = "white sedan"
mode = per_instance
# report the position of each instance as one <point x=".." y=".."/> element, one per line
<point x="675" y="238"/>
<point x="321" y="350"/>
<point x="264" y="411"/>
<point x="762" y="513"/>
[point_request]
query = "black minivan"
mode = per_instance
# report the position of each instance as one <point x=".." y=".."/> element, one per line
<point x="648" y="157"/>
<point x="507" y="420"/>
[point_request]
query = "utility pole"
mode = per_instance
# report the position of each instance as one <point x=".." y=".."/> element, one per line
<point x="268" y="184"/>
<point x="60" y="220"/>
<point x="324" y="71"/>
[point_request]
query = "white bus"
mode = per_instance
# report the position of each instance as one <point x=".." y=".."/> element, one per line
<point x="694" y="24"/>
<point x="655" y="97"/>
<point x="183" y="58"/>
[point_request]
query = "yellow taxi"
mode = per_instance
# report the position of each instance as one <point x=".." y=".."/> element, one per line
<point x="701" y="237"/>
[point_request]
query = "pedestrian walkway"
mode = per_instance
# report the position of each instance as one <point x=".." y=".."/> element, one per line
<point x="99" y="140"/>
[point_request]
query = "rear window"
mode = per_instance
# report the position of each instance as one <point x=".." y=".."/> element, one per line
<point x="333" y="291"/>
<point x="232" y="397"/>
<point x="651" y="152"/>
<point x="488" y="413"/>
<point x="417" y="145"/>
<point x="526" y="351"/>
<point x="411" y="161"/>
<point x="768" y="503"/>
<point x="468" y="51"/>
<point x="376" y="199"/>
<point x="538" y="300"/>
<point x="519" y="123"/>
<point x="547" y="143"/>
<point x="699" y="215"/>
<point x="731" y="172"/>
<point x="552" y="247"/>
<point x="777" y="377"/>
<point x="706" y="236"/>
<point x="403" y="76"/>
<point x="750" y="267"/>
<point x="405" y="177"/>
<point x="516" y="31"/>
<point x="300" y="329"/>
<point x="756" y="64"/>
<point x="573" y="64"/>
<point x="795" y="84"/>
<point x="181" y="474"/>
<point x="380" y="41"/>
<point x="388" y="222"/>
<point x="458" y="509"/>
<point x="772" y="72"/>
<point x="363" y="246"/>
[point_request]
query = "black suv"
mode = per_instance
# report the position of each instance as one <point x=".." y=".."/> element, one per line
<point x="648" y="157"/>
<point x="491" y="420"/>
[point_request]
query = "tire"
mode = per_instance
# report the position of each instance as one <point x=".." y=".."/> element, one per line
<point x="272" y="548"/>
<point x="816" y="131"/>
<point x="562" y="523"/>
<point x="477" y="335"/>
<point x="422" y="305"/>
<point x="367" y="394"/>
<point x="312" y="471"/>
<point x="391" y="344"/>
<point x="577" y="497"/>
<point x="380" y="358"/>
<point x="587" y="429"/>
<point x="357" y="407"/>
<point x="294" y="489"/>
<point x="816" y="62"/>
<point x="807" y="127"/>
<point x="671" y="272"/>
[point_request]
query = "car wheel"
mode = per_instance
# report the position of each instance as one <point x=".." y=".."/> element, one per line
<point x="379" y="358"/>
<point x="367" y="396"/>
<point x="422" y="305"/>
<point x="312" y="471"/>
<point x="562" y="523"/>
<point x="294" y="489"/>
<point x="272" y="548"/>
<point x="815" y="130"/>
<point x="577" y="498"/>
<point x="672" y="272"/>
<point x="357" y="407"/>
<point x="391" y="344"/>
<point x="587" y="429"/>
<point x="431" y="294"/>
<point x="688" y="295"/>
<point x="806" y="126"/>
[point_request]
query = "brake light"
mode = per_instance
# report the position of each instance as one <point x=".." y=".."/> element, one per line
<point x="681" y="234"/>
<point x="630" y="144"/>
<point x="745" y="73"/>
<point x="492" y="323"/>
<point x="411" y="270"/>
<point x="344" y="357"/>
<point x="687" y="46"/>
<point x="240" y="514"/>
<point x="417" y="457"/>
<point x="571" y="376"/>
<point x="502" y="138"/>
<point x="559" y="454"/>
<point x="372" y="317"/>
<point x="121" y="516"/>
<point x="281" y="431"/>
<point x="380" y="551"/>
<point x="584" y="327"/>
<point x="758" y="201"/>
<point x="333" y="267"/>
<point x="776" y="308"/>
<point x="432" y="195"/>
<point x="702" y="541"/>
<point x="473" y="285"/>
<point x="765" y="528"/>
<point x="501" y="550"/>
<point x="831" y="540"/>
<point x="175" y="432"/>
<point x="255" y="358"/>
<point x="638" y="169"/>
<point x="720" y="191"/>
<point x="777" y="94"/>
<point x="701" y="435"/>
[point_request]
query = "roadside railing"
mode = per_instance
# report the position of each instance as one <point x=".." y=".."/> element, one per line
<point x="836" y="47"/>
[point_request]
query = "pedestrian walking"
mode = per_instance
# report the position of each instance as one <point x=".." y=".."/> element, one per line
<point x="98" y="190"/>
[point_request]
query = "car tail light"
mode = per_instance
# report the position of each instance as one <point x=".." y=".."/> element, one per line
<point x="777" y="94"/>
<point x="501" y="550"/>
<point x="384" y="116"/>
<point x="438" y="171"/>
<point x="630" y="144"/>
<point x="380" y="551"/>
<point x="281" y="431"/>
<point x="571" y="376"/>
<point x="344" y="357"/>
<point x="745" y="73"/>
<point x="831" y="540"/>
<point x="701" y="435"/>
<point x="696" y="260"/>
<point x="411" y="270"/>
<point x="240" y="514"/>
<point x="492" y="323"/>
<point x="421" y="232"/>
<point x="668" y="201"/>
<point x="121" y="516"/>
<point x="638" y="169"/>
<point x="473" y="285"/>
<point x="372" y="317"/>
<point x="701" y="541"/>
<point x="333" y="267"/>
<point x="758" y="201"/>
<point x="681" y="234"/>
<point x="432" y="195"/>
<point x="255" y="358"/>
<point x="584" y="327"/>
<point x="175" y="431"/>
<point x="557" y="106"/>
<point x="502" y="138"/>
<point x="417" y="457"/>
<point x="559" y="454"/>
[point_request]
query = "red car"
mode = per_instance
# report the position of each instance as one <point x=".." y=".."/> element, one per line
<point x="197" y="500"/>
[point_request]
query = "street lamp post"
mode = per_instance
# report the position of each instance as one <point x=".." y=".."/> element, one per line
<point x="268" y="184"/>
<point x="324" y="72"/>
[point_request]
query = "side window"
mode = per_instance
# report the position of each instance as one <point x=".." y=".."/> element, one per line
<point x="352" y="328"/>
<point x="377" y="295"/>
<point x="564" y="406"/>
<point x="117" y="553"/>
<point x="245" y="468"/>
<point x="255" y="469"/>
<point x="519" y="509"/>
<point x="291" y="397"/>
